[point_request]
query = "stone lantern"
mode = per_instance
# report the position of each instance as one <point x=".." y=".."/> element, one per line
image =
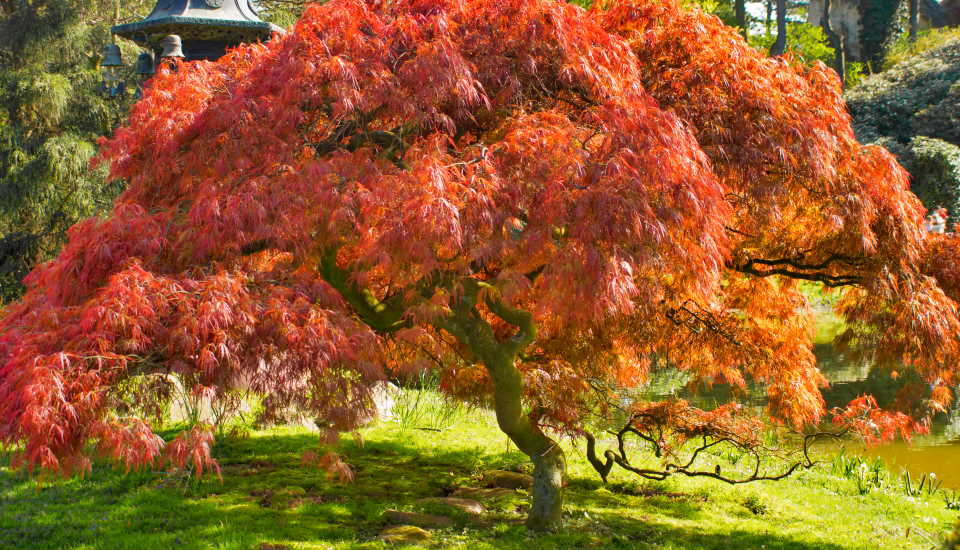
<point x="206" y="27"/>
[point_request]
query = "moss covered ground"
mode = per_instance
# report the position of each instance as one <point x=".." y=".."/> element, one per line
<point x="268" y="501"/>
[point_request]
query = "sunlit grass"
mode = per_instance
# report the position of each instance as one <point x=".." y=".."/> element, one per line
<point x="266" y="496"/>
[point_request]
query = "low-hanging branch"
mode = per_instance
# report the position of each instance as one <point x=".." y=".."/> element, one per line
<point x="799" y="268"/>
<point x="710" y="436"/>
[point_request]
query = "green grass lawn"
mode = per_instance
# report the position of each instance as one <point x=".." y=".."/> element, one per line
<point x="267" y="500"/>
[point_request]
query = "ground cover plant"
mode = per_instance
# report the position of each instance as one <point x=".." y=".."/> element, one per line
<point x="536" y="201"/>
<point x="267" y="499"/>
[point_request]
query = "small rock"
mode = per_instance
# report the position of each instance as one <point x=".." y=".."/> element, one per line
<point x="404" y="534"/>
<point x="507" y="480"/>
<point x="483" y="493"/>
<point x="467" y="505"/>
<point x="420" y="520"/>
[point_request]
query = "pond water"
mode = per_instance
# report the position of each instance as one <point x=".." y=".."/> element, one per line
<point x="938" y="452"/>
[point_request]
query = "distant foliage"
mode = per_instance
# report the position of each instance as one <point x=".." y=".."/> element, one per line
<point x="51" y="113"/>
<point x="928" y="39"/>
<point x="913" y="109"/>
<point x="807" y="42"/>
<point x="935" y="174"/>
<point x="918" y="97"/>
<point x="282" y="13"/>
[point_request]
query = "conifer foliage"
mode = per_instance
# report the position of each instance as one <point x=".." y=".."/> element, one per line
<point x="531" y="198"/>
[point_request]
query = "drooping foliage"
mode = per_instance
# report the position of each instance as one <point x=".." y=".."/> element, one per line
<point x="536" y="200"/>
<point x="747" y="114"/>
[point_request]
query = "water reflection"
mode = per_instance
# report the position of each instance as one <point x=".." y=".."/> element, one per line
<point x="938" y="452"/>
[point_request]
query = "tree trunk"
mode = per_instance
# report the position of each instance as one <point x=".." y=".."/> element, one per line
<point x="914" y="19"/>
<point x="780" y="46"/>
<point x="549" y="466"/>
<point x="499" y="356"/>
<point x="548" y="472"/>
<point x="740" y="11"/>
<point x="836" y="42"/>
<point x="769" y="16"/>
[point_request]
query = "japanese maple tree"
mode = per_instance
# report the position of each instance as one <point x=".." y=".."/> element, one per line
<point x="533" y="199"/>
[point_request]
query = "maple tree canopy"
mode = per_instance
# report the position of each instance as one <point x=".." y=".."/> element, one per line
<point x="531" y="198"/>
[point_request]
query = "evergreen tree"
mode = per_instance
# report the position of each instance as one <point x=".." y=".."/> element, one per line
<point x="52" y="111"/>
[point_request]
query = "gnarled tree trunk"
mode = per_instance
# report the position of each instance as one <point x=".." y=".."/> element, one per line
<point x="549" y="465"/>
<point x="500" y="356"/>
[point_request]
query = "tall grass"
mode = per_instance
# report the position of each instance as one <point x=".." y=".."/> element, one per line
<point x="421" y="405"/>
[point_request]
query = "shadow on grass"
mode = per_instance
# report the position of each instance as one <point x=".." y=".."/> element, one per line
<point x="266" y="495"/>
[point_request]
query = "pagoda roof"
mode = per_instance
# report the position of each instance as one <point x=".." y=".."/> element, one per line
<point x="228" y="21"/>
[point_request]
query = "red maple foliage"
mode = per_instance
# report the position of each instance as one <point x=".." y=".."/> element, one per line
<point x="864" y="415"/>
<point x="531" y="198"/>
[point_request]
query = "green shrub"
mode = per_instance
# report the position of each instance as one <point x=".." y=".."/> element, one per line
<point x="934" y="166"/>
<point x="929" y="39"/>
<point x="756" y="505"/>
<point x="807" y="42"/>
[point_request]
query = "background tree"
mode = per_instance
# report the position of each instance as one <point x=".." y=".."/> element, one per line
<point x="835" y="40"/>
<point x="780" y="44"/>
<point x="740" y="11"/>
<point x="914" y="18"/>
<point x="535" y="200"/>
<point x="51" y="113"/>
<point x="881" y="22"/>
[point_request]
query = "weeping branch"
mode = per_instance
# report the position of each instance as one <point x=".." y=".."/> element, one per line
<point x="654" y="435"/>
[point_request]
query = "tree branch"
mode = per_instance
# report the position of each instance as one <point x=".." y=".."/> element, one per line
<point x="383" y="316"/>
<point x="620" y="457"/>
<point x="796" y="268"/>
<point x="523" y="320"/>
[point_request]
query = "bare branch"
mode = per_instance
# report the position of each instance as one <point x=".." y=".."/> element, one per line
<point x="687" y="468"/>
